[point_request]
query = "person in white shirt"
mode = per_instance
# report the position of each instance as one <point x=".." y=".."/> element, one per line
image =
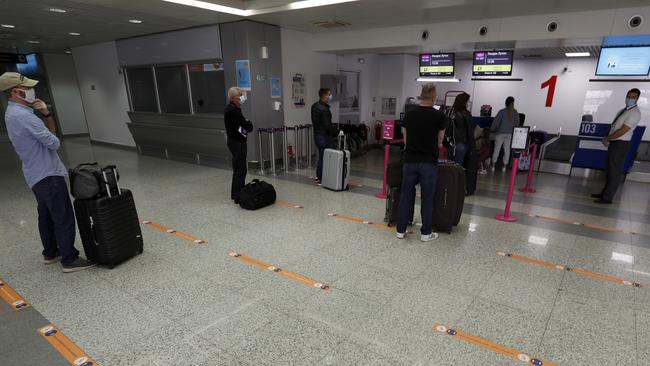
<point x="618" y="145"/>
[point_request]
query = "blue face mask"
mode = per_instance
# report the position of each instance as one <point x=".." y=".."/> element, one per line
<point x="629" y="102"/>
<point x="242" y="99"/>
<point x="330" y="98"/>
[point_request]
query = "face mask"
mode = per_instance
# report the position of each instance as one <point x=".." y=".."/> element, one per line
<point x="330" y="98"/>
<point x="30" y="95"/>
<point x="242" y="99"/>
<point x="629" y="102"/>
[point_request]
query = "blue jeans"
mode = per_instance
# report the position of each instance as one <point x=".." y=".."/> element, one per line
<point x="459" y="154"/>
<point x="56" y="222"/>
<point x="323" y="141"/>
<point x="413" y="173"/>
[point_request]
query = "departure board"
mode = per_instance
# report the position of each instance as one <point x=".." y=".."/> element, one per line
<point x="492" y="63"/>
<point x="437" y="64"/>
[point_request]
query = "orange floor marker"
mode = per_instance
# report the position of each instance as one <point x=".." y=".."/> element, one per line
<point x="588" y="226"/>
<point x="70" y="351"/>
<point x="577" y="271"/>
<point x="287" y="204"/>
<point x="362" y="221"/>
<point x="12" y="298"/>
<point x="177" y="233"/>
<point x="293" y="276"/>
<point x="491" y="346"/>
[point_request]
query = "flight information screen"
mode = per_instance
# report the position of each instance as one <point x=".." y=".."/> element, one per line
<point x="623" y="61"/>
<point x="437" y="64"/>
<point x="492" y="63"/>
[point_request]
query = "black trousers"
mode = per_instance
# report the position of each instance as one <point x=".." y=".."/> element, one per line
<point x="56" y="222"/>
<point x="615" y="159"/>
<point x="238" y="150"/>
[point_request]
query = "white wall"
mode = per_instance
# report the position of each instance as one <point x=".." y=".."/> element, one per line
<point x="65" y="92"/>
<point x="298" y="57"/>
<point x="574" y="94"/>
<point x="103" y="93"/>
<point x="368" y="81"/>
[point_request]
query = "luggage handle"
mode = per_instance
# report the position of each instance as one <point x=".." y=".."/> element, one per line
<point x="341" y="138"/>
<point x="117" y="183"/>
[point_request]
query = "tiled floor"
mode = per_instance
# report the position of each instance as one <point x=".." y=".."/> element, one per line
<point x="186" y="304"/>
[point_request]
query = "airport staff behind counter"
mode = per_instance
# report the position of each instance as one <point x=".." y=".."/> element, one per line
<point x="618" y="145"/>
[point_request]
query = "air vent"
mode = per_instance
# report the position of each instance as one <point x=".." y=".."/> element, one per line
<point x="331" y="24"/>
<point x="532" y="56"/>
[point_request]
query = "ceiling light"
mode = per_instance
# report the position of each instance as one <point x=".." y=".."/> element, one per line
<point x="7" y="26"/>
<point x="533" y="239"/>
<point x="622" y="257"/>
<point x="34" y="42"/>
<point x="74" y="34"/>
<point x="438" y="80"/>
<point x="211" y="6"/>
<point x="68" y="52"/>
<point x="57" y="10"/>
<point x="314" y="3"/>
<point x="135" y="21"/>
<point x="578" y="54"/>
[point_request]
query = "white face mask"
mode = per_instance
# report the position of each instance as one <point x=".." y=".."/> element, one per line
<point x="30" y="95"/>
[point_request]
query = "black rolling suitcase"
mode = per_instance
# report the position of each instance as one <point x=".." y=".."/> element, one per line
<point x="109" y="226"/>
<point x="392" y="207"/>
<point x="449" y="197"/>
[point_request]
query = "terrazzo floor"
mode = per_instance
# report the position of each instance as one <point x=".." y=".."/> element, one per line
<point x="182" y="303"/>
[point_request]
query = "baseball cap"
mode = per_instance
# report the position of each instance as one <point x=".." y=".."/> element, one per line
<point x="10" y="80"/>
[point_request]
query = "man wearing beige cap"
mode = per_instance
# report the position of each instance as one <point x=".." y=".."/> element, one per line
<point x="36" y="143"/>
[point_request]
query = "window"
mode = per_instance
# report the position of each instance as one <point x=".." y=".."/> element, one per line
<point x="349" y="106"/>
<point x="172" y="89"/>
<point x="208" y="88"/>
<point x="143" y="90"/>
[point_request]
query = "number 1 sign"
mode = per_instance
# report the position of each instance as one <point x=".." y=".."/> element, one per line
<point x="550" y="83"/>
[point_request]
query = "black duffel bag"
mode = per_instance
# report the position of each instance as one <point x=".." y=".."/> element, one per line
<point x="256" y="194"/>
<point x="87" y="180"/>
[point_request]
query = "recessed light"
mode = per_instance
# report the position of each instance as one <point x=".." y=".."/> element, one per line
<point x="135" y="21"/>
<point x="34" y="42"/>
<point x="68" y="52"/>
<point x="577" y="54"/>
<point x="57" y="10"/>
<point x="74" y="34"/>
<point x="7" y="26"/>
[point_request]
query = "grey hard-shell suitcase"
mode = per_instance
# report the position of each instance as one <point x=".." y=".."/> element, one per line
<point x="336" y="166"/>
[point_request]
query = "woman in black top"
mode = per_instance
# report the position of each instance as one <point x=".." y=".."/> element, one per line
<point x="460" y="133"/>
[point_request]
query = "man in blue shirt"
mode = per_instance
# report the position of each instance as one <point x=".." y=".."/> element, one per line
<point x="35" y="143"/>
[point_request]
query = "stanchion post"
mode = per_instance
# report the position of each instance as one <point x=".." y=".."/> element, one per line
<point x="513" y="177"/>
<point x="296" y="149"/>
<point x="272" y="149"/>
<point x="259" y="151"/>
<point x="529" y="179"/>
<point x="285" y="148"/>
<point x="309" y="145"/>
<point x="383" y="194"/>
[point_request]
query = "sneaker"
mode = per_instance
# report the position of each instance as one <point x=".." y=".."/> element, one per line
<point x="51" y="260"/>
<point x="432" y="236"/>
<point x="400" y="235"/>
<point x="503" y="170"/>
<point x="597" y="195"/>
<point x="492" y="168"/>
<point x="79" y="264"/>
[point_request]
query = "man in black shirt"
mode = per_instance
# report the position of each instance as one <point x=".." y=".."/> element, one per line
<point x="237" y="129"/>
<point x="425" y="130"/>
<point x="321" y="119"/>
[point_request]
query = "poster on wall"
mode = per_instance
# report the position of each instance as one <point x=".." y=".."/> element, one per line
<point x="243" y="68"/>
<point x="298" y="90"/>
<point x="388" y="106"/>
<point x="276" y="88"/>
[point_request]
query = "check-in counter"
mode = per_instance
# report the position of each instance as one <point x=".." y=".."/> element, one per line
<point x="197" y="138"/>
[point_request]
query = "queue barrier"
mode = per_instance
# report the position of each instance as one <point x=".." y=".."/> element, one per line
<point x="297" y="146"/>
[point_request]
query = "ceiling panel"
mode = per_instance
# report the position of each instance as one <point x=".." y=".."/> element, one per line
<point x="105" y="20"/>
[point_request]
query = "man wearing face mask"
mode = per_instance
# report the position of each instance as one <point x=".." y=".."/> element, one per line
<point x="36" y="144"/>
<point x="618" y="145"/>
<point x="237" y="129"/>
<point x="321" y="119"/>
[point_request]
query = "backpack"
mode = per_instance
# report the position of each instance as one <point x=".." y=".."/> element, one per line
<point x="87" y="180"/>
